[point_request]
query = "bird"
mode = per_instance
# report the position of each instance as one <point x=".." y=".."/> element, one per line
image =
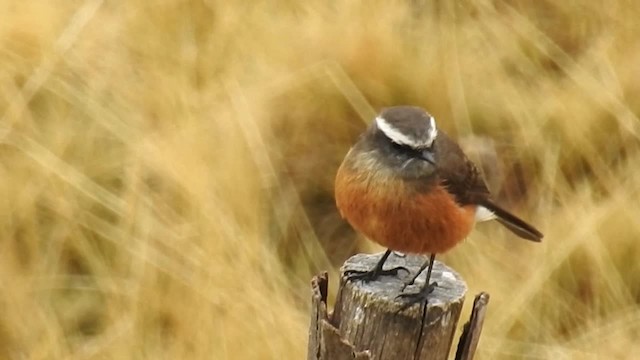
<point x="408" y="186"/>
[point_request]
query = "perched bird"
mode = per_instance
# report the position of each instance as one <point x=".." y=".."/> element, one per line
<point x="409" y="187"/>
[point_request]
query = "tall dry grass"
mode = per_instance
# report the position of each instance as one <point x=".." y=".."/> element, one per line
<point x="166" y="167"/>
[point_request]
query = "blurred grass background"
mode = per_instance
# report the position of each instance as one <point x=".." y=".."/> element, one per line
<point x="166" y="167"/>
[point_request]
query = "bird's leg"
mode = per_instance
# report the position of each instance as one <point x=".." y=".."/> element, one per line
<point x="414" y="277"/>
<point x="420" y="296"/>
<point x="376" y="272"/>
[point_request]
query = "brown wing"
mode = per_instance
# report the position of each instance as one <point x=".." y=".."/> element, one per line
<point x="463" y="180"/>
<point x="458" y="174"/>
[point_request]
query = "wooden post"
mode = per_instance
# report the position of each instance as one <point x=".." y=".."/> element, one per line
<point x="471" y="334"/>
<point x="367" y="322"/>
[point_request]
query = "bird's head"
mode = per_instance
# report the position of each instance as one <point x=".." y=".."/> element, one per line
<point x="403" y="139"/>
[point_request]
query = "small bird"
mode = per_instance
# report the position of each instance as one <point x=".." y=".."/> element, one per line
<point x="409" y="187"/>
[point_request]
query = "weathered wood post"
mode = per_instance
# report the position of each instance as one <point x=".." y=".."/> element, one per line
<point x="367" y="322"/>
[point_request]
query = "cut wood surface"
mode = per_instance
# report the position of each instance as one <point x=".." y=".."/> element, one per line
<point x="367" y="322"/>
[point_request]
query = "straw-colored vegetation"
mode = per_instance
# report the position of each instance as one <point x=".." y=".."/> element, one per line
<point x="166" y="167"/>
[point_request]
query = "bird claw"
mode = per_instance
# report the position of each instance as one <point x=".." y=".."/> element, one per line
<point x="404" y="286"/>
<point x="416" y="298"/>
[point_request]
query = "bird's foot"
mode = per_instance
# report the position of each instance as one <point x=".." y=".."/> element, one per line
<point x="415" y="298"/>
<point x="408" y="283"/>
<point x="374" y="274"/>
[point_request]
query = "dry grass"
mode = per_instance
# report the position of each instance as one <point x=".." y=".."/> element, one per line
<point x="166" y="170"/>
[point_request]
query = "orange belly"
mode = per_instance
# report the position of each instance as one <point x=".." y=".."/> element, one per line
<point x="395" y="215"/>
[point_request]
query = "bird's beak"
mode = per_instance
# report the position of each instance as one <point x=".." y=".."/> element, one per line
<point x="427" y="155"/>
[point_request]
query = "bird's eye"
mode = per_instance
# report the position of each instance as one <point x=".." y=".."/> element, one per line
<point x="398" y="147"/>
<point x="405" y="149"/>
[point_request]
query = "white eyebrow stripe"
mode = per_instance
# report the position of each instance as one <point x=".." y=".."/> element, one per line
<point x="400" y="138"/>
<point x="433" y="132"/>
<point x="394" y="134"/>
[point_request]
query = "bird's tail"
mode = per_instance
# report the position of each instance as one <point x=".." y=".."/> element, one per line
<point x="513" y="223"/>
